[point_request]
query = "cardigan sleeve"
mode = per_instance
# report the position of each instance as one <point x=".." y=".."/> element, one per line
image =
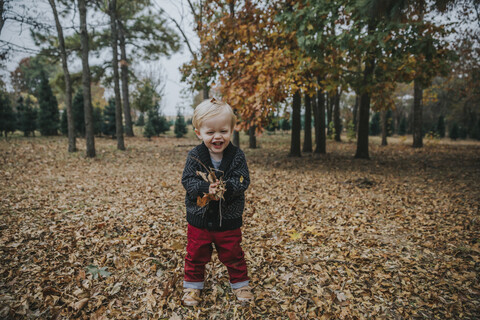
<point x="239" y="180"/>
<point x="193" y="184"/>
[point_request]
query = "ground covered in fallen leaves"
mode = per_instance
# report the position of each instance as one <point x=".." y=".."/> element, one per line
<point x="393" y="237"/>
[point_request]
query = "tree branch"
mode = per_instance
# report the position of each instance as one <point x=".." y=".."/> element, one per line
<point x="184" y="38"/>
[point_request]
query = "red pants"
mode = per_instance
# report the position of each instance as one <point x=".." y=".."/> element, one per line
<point x="199" y="252"/>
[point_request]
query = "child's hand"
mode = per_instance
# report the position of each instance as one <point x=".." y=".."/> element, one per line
<point x="213" y="187"/>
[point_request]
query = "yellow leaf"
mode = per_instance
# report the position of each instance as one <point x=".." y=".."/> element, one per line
<point x="295" y="235"/>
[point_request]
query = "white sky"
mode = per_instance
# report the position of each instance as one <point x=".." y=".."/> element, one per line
<point x="17" y="34"/>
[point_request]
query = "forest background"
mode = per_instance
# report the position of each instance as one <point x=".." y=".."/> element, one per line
<point x="318" y="87"/>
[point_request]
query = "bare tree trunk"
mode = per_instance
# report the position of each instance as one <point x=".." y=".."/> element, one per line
<point x="206" y="91"/>
<point x="329" y="103"/>
<point x="417" y="114"/>
<point x="315" y="117"/>
<point x="307" y="141"/>
<point x="72" y="145"/>
<point x="336" y="116"/>
<point x="118" y="102"/>
<point x="384" y="127"/>
<point x="2" y="14"/>
<point x="320" y="133"/>
<point x="87" y="97"/>
<point x="355" y="112"/>
<point x="296" y="126"/>
<point x="236" y="138"/>
<point x="124" y="74"/>
<point x="252" y="138"/>
<point x="364" y="112"/>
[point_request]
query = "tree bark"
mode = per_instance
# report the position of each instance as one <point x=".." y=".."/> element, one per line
<point x="315" y="117"/>
<point x="118" y="103"/>
<point x="206" y="91"/>
<point x="124" y="75"/>
<point x="236" y="138"/>
<point x="355" y="113"/>
<point x="417" y="114"/>
<point x="384" y="127"/>
<point x="329" y="101"/>
<point x="87" y="97"/>
<point x="72" y="144"/>
<point x="296" y="126"/>
<point x="336" y="116"/>
<point x="321" y="137"/>
<point x="307" y="141"/>
<point x="252" y="141"/>
<point x="2" y="17"/>
<point x="364" y="112"/>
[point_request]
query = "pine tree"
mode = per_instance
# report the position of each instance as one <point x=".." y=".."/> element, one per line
<point x="141" y="120"/>
<point x="108" y="127"/>
<point x="462" y="132"/>
<point x="148" y="130"/>
<point x="180" y="126"/>
<point x="48" y="119"/>
<point x="26" y="116"/>
<point x="159" y="122"/>
<point x="64" y="123"/>
<point x="97" y="121"/>
<point x="476" y="131"/>
<point x="78" y="114"/>
<point x="402" y="127"/>
<point x="7" y="116"/>
<point x="441" y="127"/>
<point x="375" y="124"/>
<point x="453" y="134"/>
<point x="286" y="124"/>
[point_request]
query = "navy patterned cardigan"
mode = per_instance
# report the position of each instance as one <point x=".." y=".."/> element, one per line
<point x="235" y="173"/>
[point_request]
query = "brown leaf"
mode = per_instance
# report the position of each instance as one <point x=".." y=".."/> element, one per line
<point x="80" y="304"/>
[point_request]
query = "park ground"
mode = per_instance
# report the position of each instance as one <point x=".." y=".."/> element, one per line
<point x="325" y="237"/>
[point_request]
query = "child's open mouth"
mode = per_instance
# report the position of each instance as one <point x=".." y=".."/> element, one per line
<point x="217" y="145"/>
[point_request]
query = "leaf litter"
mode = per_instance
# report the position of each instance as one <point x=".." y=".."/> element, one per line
<point x="325" y="237"/>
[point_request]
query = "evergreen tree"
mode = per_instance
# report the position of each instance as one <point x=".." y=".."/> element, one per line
<point x="48" y="119"/>
<point x="27" y="117"/>
<point x="159" y="122"/>
<point x="149" y="130"/>
<point x="64" y="123"/>
<point x="78" y="114"/>
<point x="97" y="121"/>
<point x="163" y="125"/>
<point x="476" y="131"/>
<point x="180" y="126"/>
<point x="390" y="127"/>
<point x="375" y="128"/>
<point x="109" y="119"/>
<point x="462" y="132"/>
<point x="141" y="120"/>
<point x="441" y="127"/>
<point x="286" y="124"/>
<point x="453" y="134"/>
<point x="402" y="127"/>
<point x="7" y="116"/>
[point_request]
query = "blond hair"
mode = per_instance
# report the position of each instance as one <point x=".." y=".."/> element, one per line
<point x="211" y="108"/>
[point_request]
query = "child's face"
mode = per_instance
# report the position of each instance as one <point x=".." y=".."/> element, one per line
<point x="216" y="133"/>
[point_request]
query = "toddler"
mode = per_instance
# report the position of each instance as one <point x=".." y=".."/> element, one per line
<point x="219" y="221"/>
